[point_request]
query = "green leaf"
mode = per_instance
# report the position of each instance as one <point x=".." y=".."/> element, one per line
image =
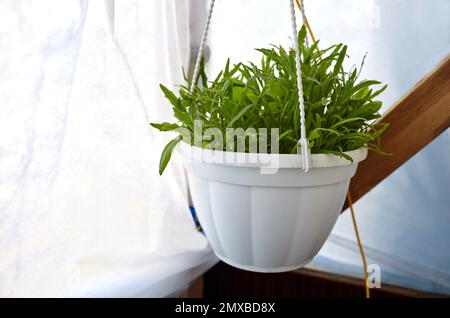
<point x="346" y="121"/>
<point x="328" y="130"/>
<point x="313" y="135"/>
<point x="165" y="126"/>
<point x="239" y="115"/>
<point x="379" y="131"/>
<point x="301" y="36"/>
<point x="167" y="154"/>
<point x="340" y="60"/>
<point x="340" y="110"/>
<point x="337" y="153"/>
<point x="169" y="95"/>
<point x="285" y="134"/>
<point x="364" y="84"/>
<point x="184" y="117"/>
<point x="378" y="92"/>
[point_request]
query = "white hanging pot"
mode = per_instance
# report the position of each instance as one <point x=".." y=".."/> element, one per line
<point x="267" y="222"/>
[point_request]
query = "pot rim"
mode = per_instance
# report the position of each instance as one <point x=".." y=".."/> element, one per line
<point x="260" y="160"/>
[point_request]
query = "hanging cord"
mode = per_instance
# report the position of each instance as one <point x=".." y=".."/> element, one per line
<point x="301" y="7"/>
<point x="303" y="142"/>
<point x="202" y="46"/>
<point x="361" y="250"/>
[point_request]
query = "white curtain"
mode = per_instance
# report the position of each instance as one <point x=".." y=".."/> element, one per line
<point x="83" y="211"/>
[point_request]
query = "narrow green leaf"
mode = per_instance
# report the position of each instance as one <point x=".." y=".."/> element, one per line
<point x="340" y="60"/>
<point x="165" y="126"/>
<point x="378" y="92"/>
<point x="239" y="115"/>
<point x="169" y="95"/>
<point x="337" y="153"/>
<point x="167" y="154"/>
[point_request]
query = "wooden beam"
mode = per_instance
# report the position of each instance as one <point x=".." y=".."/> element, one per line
<point x="196" y="289"/>
<point x="419" y="117"/>
<point x="359" y="282"/>
<point x="224" y="281"/>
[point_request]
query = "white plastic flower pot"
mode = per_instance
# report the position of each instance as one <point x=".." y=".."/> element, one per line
<point x="267" y="222"/>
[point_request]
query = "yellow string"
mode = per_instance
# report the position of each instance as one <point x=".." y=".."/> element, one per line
<point x="349" y="197"/>
<point x="308" y="27"/>
<point x="361" y="250"/>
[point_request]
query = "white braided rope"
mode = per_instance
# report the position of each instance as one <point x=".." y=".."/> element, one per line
<point x="302" y="9"/>
<point x="304" y="148"/>
<point x="303" y="142"/>
<point x="202" y="45"/>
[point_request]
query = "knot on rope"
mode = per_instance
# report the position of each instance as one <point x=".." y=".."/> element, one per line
<point x="305" y="153"/>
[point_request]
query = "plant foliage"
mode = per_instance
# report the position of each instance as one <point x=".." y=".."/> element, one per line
<point x="340" y="109"/>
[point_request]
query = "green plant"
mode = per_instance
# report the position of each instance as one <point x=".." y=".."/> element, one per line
<point x="340" y="110"/>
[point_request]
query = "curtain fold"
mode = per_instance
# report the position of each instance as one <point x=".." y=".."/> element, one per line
<point x="83" y="210"/>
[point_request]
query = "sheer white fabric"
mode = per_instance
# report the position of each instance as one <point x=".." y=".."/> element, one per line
<point x="83" y="211"/>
